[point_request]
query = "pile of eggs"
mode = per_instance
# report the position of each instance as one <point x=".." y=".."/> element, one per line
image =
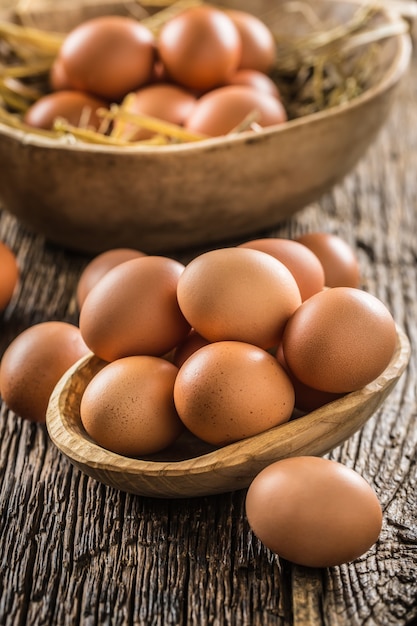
<point x="224" y="347"/>
<point x="206" y="70"/>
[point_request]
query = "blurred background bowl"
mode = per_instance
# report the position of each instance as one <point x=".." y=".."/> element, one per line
<point x="159" y="199"/>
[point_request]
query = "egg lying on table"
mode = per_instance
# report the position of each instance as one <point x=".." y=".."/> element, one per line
<point x="34" y="362"/>
<point x="313" y="511"/>
<point x="9" y="276"/>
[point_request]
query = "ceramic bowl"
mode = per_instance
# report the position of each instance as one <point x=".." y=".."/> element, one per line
<point x="192" y="468"/>
<point x="167" y="198"/>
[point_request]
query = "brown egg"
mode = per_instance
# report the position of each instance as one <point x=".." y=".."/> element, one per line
<point x="200" y="47"/>
<point x="128" y="407"/>
<point x="108" y="56"/>
<point x="238" y="294"/>
<point x="9" y="275"/>
<point x="133" y="310"/>
<point x="313" y="511"/>
<point x="34" y="362"/>
<point x="256" y="80"/>
<point x="258" y="43"/>
<point x="77" y="108"/>
<point x="163" y="101"/>
<point x="339" y="340"/>
<point x="229" y="390"/>
<point x="307" y="398"/>
<point x="341" y="267"/>
<point x="221" y="110"/>
<point x="99" y="266"/>
<point x="302" y="262"/>
<point x="186" y="348"/>
<point x="58" y="78"/>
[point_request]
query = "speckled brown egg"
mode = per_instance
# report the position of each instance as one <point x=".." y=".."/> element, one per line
<point x="340" y="264"/>
<point x="99" y="266"/>
<point x="339" y="340"/>
<point x="302" y="262"/>
<point x="229" y="390"/>
<point x="238" y="294"/>
<point x="128" y="407"/>
<point x="313" y="511"/>
<point x="34" y="362"/>
<point x="133" y="310"/>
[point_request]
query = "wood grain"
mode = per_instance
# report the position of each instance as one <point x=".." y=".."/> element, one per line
<point x="73" y="551"/>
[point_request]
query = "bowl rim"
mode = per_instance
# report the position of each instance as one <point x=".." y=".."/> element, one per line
<point x="392" y="75"/>
<point x="231" y="460"/>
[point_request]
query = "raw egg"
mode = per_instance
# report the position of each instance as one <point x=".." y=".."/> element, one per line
<point x="108" y="56"/>
<point x="77" y="108"/>
<point x="258" y="43"/>
<point x="186" y="348"/>
<point x="238" y="294"/>
<point x="341" y="267"/>
<point x="9" y="276"/>
<point x="133" y="310"/>
<point x="99" y="266"/>
<point x="302" y="262"/>
<point x="339" y="340"/>
<point x="169" y="103"/>
<point x="128" y="407"/>
<point x="229" y="390"/>
<point x="221" y="110"/>
<point x="313" y="511"/>
<point x="34" y="362"/>
<point x="256" y="80"/>
<point x="200" y="47"/>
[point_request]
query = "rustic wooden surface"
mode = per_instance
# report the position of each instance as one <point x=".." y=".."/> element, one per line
<point x="73" y="551"/>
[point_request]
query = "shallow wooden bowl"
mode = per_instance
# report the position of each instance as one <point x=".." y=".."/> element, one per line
<point x="192" y="468"/>
<point x="162" y="199"/>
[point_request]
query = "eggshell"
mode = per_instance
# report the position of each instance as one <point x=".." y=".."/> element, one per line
<point x="128" y="406"/>
<point x="169" y="103"/>
<point x="307" y="398"/>
<point x="302" y="262"/>
<point x="186" y="348"/>
<point x="34" y="362"/>
<point x="257" y="80"/>
<point x="229" y="390"/>
<point x="77" y="108"/>
<point x="99" y="266"/>
<point x="200" y="47"/>
<point x="341" y="266"/>
<point x="133" y="310"/>
<point x="313" y="511"/>
<point x="238" y="294"/>
<point x="58" y="78"/>
<point x="221" y="110"/>
<point x="258" y="43"/>
<point x="108" y="56"/>
<point x="9" y="275"/>
<point x="339" y="340"/>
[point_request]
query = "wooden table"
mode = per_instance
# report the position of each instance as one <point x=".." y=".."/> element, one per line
<point x="73" y="551"/>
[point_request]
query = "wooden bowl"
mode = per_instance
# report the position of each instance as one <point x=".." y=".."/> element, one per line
<point x="192" y="468"/>
<point x="168" y="198"/>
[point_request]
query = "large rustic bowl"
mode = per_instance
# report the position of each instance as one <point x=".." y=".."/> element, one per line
<point x="165" y="198"/>
<point x="192" y="468"/>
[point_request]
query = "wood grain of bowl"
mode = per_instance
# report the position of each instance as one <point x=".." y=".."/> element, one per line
<point x="191" y="468"/>
<point x="165" y="198"/>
